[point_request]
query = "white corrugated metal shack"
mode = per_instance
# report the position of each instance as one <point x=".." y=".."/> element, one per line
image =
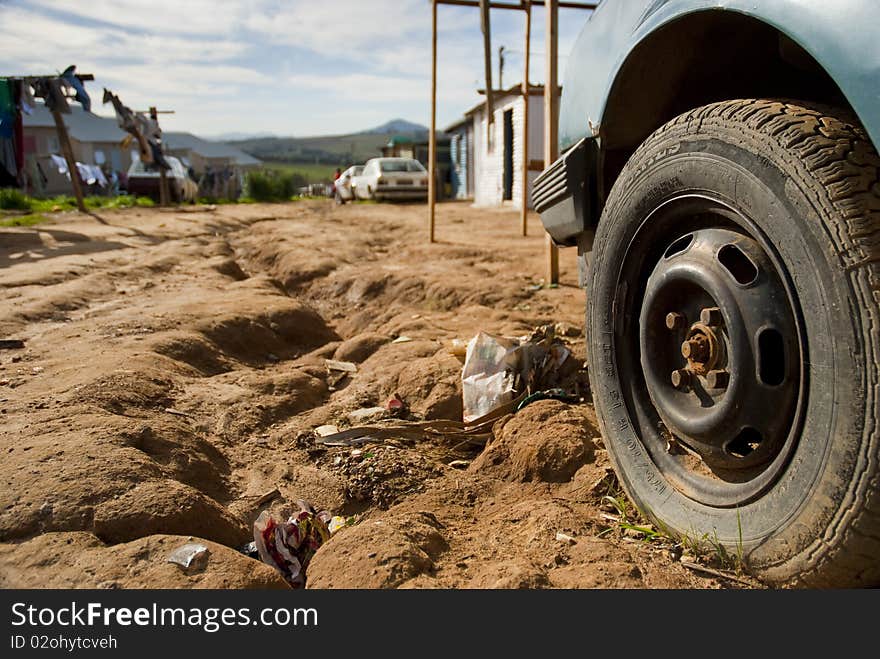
<point x="487" y="160"/>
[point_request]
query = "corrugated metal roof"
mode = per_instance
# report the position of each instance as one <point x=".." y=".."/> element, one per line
<point x="87" y="127"/>
<point x="83" y="126"/>
<point x="207" y="149"/>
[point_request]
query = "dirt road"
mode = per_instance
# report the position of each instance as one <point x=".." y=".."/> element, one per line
<point x="174" y="371"/>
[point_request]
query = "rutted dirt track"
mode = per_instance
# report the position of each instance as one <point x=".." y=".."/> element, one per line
<point x="175" y="369"/>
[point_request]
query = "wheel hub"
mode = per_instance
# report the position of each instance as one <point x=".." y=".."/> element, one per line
<point x="719" y="348"/>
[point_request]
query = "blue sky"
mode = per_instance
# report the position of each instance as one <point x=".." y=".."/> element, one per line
<point x="285" y="67"/>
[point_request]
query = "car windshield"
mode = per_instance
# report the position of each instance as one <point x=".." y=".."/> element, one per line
<point x="357" y="171"/>
<point x="401" y="166"/>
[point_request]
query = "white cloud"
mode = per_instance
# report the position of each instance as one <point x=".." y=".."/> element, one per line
<point x="205" y="17"/>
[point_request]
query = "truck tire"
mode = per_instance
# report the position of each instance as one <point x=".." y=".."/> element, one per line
<point x="733" y="331"/>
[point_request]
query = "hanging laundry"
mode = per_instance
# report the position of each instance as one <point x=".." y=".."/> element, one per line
<point x="134" y="124"/>
<point x="18" y="134"/>
<point x="7" y="108"/>
<point x="60" y="164"/>
<point x="70" y="77"/>
<point x="27" y="103"/>
<point x="51" y="90"/>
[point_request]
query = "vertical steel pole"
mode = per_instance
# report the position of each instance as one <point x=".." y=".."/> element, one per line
<point x="551" y="117"/>
<point x="524" y="212"/>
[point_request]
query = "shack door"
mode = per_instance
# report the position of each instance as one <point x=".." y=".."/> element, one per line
<point x="508" y="154"/>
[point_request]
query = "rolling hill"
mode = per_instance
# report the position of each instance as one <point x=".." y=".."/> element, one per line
<point x="336" y="150"/>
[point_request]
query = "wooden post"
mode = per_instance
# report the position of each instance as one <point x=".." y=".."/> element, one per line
<point x="524" y="212"/>
<point x="551" y="117"/>
<point x="432" y="140"/>
<point x="487" y="59"/>
<point x="163" y="188"/>
<point x="67" y="150"/>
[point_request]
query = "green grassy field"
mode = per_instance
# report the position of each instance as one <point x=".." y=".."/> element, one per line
<point x="313" y="173"/>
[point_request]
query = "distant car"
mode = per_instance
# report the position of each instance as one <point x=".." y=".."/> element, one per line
<point x="145" y="182"/>
<point x="392" y="178"/>
<point x="343" y="189"/>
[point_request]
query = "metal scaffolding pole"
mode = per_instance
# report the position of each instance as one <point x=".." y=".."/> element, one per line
<point x="524" y="211"/>
<point x="551" y="117"/>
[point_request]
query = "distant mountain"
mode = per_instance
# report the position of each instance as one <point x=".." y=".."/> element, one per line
<point x="232" y="137"/>
<point x="397" y="126"/>
<point x="336" y="150"/>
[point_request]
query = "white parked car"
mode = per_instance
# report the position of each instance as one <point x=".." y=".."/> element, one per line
<point x="392" y="178"/>
<point x="342" y="185"/>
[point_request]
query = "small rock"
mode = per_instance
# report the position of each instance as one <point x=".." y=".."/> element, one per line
<point x="564" y="537"/>
<point x="37" y="369"/>
<point x="366" y="414"/>
<point x="324" y="431"/>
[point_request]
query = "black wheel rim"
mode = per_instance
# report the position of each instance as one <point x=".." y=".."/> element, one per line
<point x="709" y="327"/>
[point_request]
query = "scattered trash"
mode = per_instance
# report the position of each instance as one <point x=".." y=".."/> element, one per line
<point x="564" y="537"/>
<point x="402" y="339"/>
<point x="395" y="405"/>
<point x="567" y="329"/>
<point x="250" y="550"/>
<point x="345" y="367"/>
<point x="326" y="430"/>
<point x="37" y="369"/>
<point x="458" y="348"/>
<point x="273" y="358"/>
<point x="490" y="373"/>
<point x="497" y="369"/>
<point x="171" y="410"/>
<point x="289" y="546"/>
<point x="366" y="414"/>
<point x="459" y="464"/>
<point x="191" y="555"/>
<point x="269" y="496"/>
<point x="548" y="394"/>
<point x="11" y="344"/>
<point x="336" y="523"/>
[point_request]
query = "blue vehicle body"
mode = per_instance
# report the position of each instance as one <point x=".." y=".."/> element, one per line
<point x="639" y="63"/>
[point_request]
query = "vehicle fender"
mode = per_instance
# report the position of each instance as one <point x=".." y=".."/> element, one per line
<point x="842" y="36"/>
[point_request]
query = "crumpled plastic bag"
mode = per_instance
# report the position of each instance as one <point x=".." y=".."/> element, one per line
<point x="498" y="369"/>
<point x="490" y="375"/>
<point x="289" y="546"/>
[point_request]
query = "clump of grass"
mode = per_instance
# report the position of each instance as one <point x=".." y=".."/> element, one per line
<point x="14" y="200"/>
<point x="24" y="220"/>
<point x="273" y="185"/>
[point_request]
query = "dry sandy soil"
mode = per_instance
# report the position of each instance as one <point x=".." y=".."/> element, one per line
<point x="174" y="372"/>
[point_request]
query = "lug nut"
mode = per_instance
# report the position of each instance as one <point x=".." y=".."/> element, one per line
<point x="675" y="320"/>
<point x="717" y="379"/>
<point x="681" y="378"/>
<point x="695" y="349"/>
<point x="711" y="316"/>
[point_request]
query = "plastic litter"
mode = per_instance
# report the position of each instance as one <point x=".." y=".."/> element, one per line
<point x="336" y="523"/>
<point x="498" y="370"/>
<point x="490" y="372"/>
<point x="191" y="555"/>
<point x="366" y="414"/>
<point x="345" y="367"/>
<point x="395" y="405"/>
<point x="324" y="431"/>
<point x="289" y="546"/>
